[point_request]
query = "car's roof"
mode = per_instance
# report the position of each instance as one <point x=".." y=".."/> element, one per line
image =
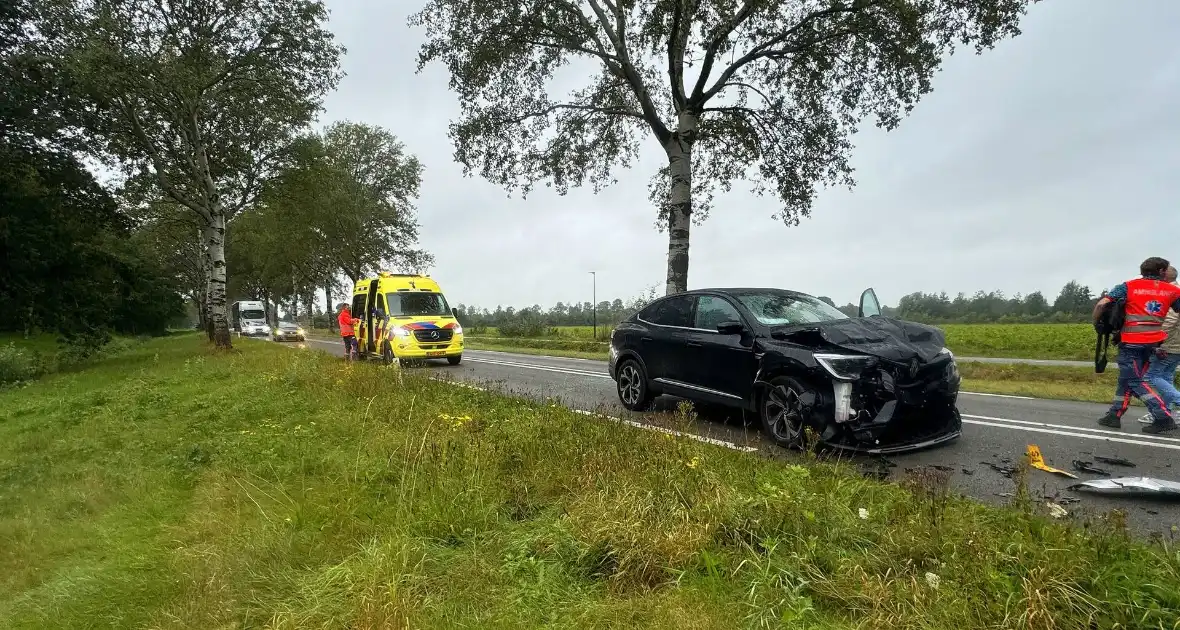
<point x="733" y="290"/>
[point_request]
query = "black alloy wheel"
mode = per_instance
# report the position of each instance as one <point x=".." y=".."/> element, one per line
<point x="631" y="383"/>
<point x="784" y="409"/>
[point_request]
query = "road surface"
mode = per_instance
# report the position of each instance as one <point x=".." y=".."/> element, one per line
<point x="997" y="430"/>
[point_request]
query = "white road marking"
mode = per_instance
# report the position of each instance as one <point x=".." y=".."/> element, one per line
<point x="1001" y="396"/>
<point x="1088" y="436"/>
<point x="1066" y="427"/>
<point x="543" y="368"/>
<point x="649" y="427"/>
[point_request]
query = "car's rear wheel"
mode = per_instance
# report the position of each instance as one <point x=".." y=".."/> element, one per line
<point x="784" y="408"/>
<point x="631" y="383"/>
<point x="455" y="360"/>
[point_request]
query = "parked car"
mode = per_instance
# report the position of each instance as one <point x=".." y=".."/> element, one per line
<point x="869" y="383"/>
<point x="288" y="331"/>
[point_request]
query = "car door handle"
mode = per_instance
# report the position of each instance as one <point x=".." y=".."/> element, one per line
<point x="646" y="339"/>
<point x="694" y="344"/>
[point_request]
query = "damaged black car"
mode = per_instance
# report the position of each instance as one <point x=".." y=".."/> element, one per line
<point x="870" y="383"/>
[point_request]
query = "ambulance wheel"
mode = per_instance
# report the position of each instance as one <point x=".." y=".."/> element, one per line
<point x="387" y="354"/>
<point x="455" y="360"/>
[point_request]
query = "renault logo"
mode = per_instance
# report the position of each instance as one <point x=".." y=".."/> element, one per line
<point x="434" y="334"/>
<point x="913" y="368"/>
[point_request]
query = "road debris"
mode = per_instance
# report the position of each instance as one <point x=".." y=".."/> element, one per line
<point x="1068" y="500"/>
<point x="1131" y="486"/>
<point x="1056" y="511"/>
<point x="1007" y="471"/>
<point x="1087" y="467"/>
<point x="1036" y="460"/>
<point x="968" y="471"/>
<point x="1114" y="461"/>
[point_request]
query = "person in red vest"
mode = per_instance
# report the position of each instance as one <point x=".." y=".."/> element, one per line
<point x="346" y="321"/>
<point x="1145" y="302"/>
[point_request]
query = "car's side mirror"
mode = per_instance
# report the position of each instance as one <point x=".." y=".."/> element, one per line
<point x="730" y="328"/>
<point x="455" y="312"/>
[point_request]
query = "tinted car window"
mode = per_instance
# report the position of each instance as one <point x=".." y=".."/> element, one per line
<point x="785" y="309"/>
<point x="673" y="311"/>
<point x="712" y="311"/>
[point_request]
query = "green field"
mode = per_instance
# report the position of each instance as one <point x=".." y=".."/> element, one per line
<point x="1016" y="341"/>
<point x="172" y="486"/>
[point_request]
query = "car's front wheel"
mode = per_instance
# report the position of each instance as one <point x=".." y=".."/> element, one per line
<point x="387" y="357"/>
<point x="455" y="360"/>
<point x="631" y="383"/>
<point x="784" y="409"/>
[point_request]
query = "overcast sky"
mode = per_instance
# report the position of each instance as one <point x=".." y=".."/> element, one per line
<point x="1014" y="174"/>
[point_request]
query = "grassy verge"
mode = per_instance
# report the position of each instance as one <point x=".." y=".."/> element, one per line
<point x="175" y="487"/>
<point x="25" y="359"/>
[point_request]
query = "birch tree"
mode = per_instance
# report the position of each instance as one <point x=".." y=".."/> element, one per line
<point x="767" y="91"/>
<point x="205" y="96"/>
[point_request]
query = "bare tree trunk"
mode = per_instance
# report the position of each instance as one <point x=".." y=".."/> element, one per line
<point x="207" y="262"/>
<point x="328" y="310"/>
<point x="215" y="242"/>
<point x="679" y="149"/>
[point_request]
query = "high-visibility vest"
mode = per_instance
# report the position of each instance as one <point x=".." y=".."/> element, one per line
<point x="1146" y="306"/>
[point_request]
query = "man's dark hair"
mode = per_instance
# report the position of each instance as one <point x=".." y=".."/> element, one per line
<point x="1154" y="266"/>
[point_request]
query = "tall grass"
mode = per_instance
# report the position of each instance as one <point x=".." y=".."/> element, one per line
<point x="175" y="487"/>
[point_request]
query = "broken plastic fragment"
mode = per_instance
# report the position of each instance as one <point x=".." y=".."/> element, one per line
<point x="1087" y="467"/>
<point x="1131" y="486"/>
<point x="1036" y="460"/>
<point x="1114" y="461"/>
<point x="1056" y="511"/>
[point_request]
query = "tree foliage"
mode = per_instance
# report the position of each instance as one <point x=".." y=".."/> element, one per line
<point x="769" y="91"/>
<point x="70" y="264"/>
<point x="205" y="97"/>
<point x="343" y="206"/>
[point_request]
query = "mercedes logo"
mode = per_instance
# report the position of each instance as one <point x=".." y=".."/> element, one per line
<point x="913" y="368"/>
<point x="434" y="334"/>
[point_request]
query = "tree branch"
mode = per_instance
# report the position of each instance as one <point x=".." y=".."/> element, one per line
<point x="716" y="39"/>
<point x="677" y="42"/>
<point x="767" y="49"/>
<point x="628" y="72"/>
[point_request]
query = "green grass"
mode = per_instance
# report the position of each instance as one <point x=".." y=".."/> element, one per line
<point x="178" y="487"/>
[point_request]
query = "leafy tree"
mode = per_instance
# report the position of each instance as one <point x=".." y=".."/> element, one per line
<point x="68" y="264"/>
<point x="204" y="95"/>
<point x="779" y="87"/>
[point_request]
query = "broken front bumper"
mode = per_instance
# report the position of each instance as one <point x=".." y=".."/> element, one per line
<point x="892" y="409"/>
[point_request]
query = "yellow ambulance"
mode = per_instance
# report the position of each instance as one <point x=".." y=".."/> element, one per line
<point x="405" y="317"/>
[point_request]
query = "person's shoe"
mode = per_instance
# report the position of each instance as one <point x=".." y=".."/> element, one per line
<point x="1146" y="419"/>
<point x="1111" y="420"/>
<point x="1161" y="427"/>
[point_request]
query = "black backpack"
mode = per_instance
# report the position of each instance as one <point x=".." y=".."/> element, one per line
<point x="1108" y="324"/>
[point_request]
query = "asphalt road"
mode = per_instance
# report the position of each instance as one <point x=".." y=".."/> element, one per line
<point x="997" y="430"/>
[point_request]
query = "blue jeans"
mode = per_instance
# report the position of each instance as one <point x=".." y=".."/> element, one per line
<point x="1161" y="375"/>
<point x="1134" y="360"/>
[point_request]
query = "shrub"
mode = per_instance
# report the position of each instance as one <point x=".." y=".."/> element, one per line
<point x="18" y="365"/>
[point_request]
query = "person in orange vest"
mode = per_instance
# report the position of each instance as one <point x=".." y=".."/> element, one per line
<point x="1145" y="302"/>
<point x="346" y="321"/>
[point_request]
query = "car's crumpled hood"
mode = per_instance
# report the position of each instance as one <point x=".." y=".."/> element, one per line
<point x="883" y="337"/>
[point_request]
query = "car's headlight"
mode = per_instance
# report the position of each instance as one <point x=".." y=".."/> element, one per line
<point x="845" y="367"/>
<point x="298" y="331"/>
<point x="400" y="332"/>
<point x="947" y="352"/>
<point x="458" y="329"/>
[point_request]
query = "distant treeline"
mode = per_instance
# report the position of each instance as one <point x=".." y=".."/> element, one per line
<point x="1073" y="304"/>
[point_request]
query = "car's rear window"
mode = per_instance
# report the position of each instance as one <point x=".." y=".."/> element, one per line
<point x="785" y="309"/>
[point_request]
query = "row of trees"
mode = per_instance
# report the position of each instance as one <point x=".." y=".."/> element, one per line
<point x="202" y="109"/>
<point x="1074" y="303"/>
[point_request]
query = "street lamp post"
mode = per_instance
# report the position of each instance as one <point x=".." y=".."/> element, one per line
<point x="594" y="304"/>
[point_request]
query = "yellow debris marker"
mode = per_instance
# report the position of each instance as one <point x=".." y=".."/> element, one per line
<point x="1036" y="460"/>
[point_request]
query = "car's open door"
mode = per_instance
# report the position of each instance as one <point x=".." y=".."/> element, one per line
<point x="869" y="305"/>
